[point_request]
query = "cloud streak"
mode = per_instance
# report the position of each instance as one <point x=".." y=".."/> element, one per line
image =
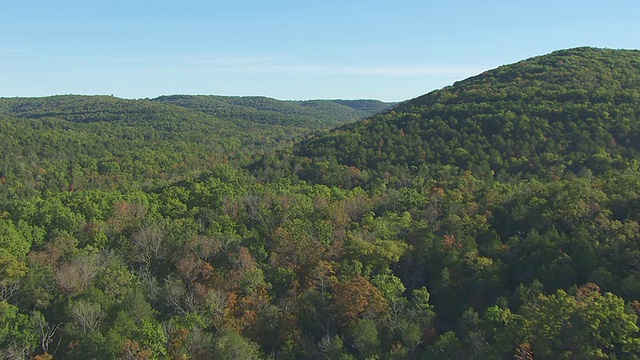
<point x="189" y="60"/>
<point x="5" y="51"/>
<point x="231" y="60"/>
<point x="268" y="65"/>
<point x="393" y="70"/>
<point x="384" y="71"/>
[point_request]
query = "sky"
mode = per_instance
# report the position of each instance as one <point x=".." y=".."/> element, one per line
<point x="289" y="50"/>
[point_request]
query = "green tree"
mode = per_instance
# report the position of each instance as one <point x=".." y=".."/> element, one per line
<point x="585" y="324"/>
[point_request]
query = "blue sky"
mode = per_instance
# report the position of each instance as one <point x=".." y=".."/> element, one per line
<point x="387" y="50"/>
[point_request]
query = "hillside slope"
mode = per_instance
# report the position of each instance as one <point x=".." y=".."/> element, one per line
<point x="569" y="111"/>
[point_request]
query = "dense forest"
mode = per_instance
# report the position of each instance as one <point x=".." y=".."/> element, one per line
<point x="91" y="142"/>
<point x="315" y="114"/>
<point x="497" y="218"/>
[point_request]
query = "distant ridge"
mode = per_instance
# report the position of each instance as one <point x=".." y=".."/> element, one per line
<point x="113" y="139"/>
<point x="314" y="113"/>
<point x="84" y="108"/>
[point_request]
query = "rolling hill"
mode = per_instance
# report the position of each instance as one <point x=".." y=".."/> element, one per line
<point x="570" y="111"/>
<point x="105" y="138"/>
<point x="317" y="114"/>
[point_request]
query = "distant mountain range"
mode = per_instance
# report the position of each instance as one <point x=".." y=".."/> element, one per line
<point x="177" y="135"/>
<point x="309" y="113"/>
<point x="314" y="114"/>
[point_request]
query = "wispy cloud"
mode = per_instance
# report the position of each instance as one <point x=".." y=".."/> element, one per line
<point x="271" y="65"/>
<point x="393" y="70"/>
<point x="411" y="70"/>
<point x="186" y="60"/>
<point x="4" y="51"/>
<point x="231" y="60"/>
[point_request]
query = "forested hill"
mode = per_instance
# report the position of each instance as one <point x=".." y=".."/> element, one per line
<point x="75" y="141"/>
<point x="87" y="109"/>
<point x="570" y="111"/>
<point x="310" y="113"/>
